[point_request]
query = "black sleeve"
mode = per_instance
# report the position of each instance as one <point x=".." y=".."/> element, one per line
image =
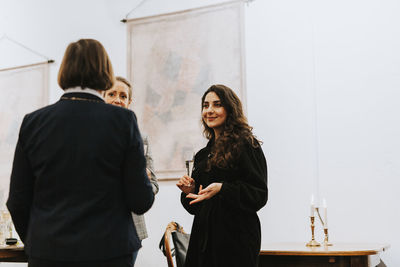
<point x="250" y="192"/>
<point x="138" y="190"/>
<point x="192" y="209"/>
<point x="21" y="191"/>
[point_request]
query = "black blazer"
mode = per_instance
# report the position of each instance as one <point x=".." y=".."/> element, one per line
<point x="78" y="172"/>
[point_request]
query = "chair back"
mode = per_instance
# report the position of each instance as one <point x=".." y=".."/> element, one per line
<point x="167" y="237"/>
<point x="165" y="243"/>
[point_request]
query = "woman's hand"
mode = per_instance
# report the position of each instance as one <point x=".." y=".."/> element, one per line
<point x="186" y="184"/>
<point x="205" y="193"/>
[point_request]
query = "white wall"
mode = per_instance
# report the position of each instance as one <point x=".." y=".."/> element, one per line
<point x="348" y="51"/>
<point x="343" y="54"/>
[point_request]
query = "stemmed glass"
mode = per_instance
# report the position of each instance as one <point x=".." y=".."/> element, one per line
<point x="189" y="163"/>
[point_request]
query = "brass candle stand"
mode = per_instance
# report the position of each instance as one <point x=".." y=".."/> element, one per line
<point x="324" y="224"/>
<point x="313" y="242"/>
<point x="326" y="239"/>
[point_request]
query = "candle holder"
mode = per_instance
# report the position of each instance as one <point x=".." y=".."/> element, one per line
<point x="326" y="239"/>
<point x="313" y="242"/>
<point x="324" y="224"/>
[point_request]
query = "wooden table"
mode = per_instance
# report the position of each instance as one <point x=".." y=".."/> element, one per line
<point x="338" y="255"/>
<point x="12" y="253"/>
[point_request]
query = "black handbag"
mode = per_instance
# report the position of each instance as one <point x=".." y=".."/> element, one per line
<point x="180" y="240"/>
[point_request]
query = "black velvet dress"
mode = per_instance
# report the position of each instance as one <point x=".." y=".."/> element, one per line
<point x="226" y="230"/>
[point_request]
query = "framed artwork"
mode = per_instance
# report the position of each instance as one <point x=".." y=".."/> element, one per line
<point x="172" y="60"/>
<point x="24" y="90"/>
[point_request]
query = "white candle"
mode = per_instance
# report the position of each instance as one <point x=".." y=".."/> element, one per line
<point x="312" y="206"/>
<point x="325" y="213"/>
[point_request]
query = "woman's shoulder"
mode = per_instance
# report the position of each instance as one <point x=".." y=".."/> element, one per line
<point x="205" y="151"/>
<point x="251" y="144"/>
<point x="202" y="153"/>
<point x="251" y="147"/>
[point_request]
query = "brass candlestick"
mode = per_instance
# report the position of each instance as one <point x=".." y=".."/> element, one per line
<point x="313" y="242"/>
<point x="324" y="224"/>
<point x="326" y="240"/>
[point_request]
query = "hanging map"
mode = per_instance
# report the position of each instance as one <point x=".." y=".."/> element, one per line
<point x="172" y="60"/>
<point x="23" y="91"/>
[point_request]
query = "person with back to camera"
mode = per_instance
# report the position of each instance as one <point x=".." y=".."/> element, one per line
<point x="227" y="188"/>
<point x="79" y="171"/>
<point x="121" y="95"/>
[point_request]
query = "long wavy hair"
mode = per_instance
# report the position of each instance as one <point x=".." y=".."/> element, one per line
<point x="236" y="131"/>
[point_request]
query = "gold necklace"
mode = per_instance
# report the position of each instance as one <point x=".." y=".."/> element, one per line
<point x="81" y="99"/>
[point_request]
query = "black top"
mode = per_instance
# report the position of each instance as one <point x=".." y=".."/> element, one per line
<point x="78" y="172"/>
<point x="226" y="229"/>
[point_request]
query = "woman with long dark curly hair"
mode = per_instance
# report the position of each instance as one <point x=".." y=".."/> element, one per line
<point x="227" y="188"/>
